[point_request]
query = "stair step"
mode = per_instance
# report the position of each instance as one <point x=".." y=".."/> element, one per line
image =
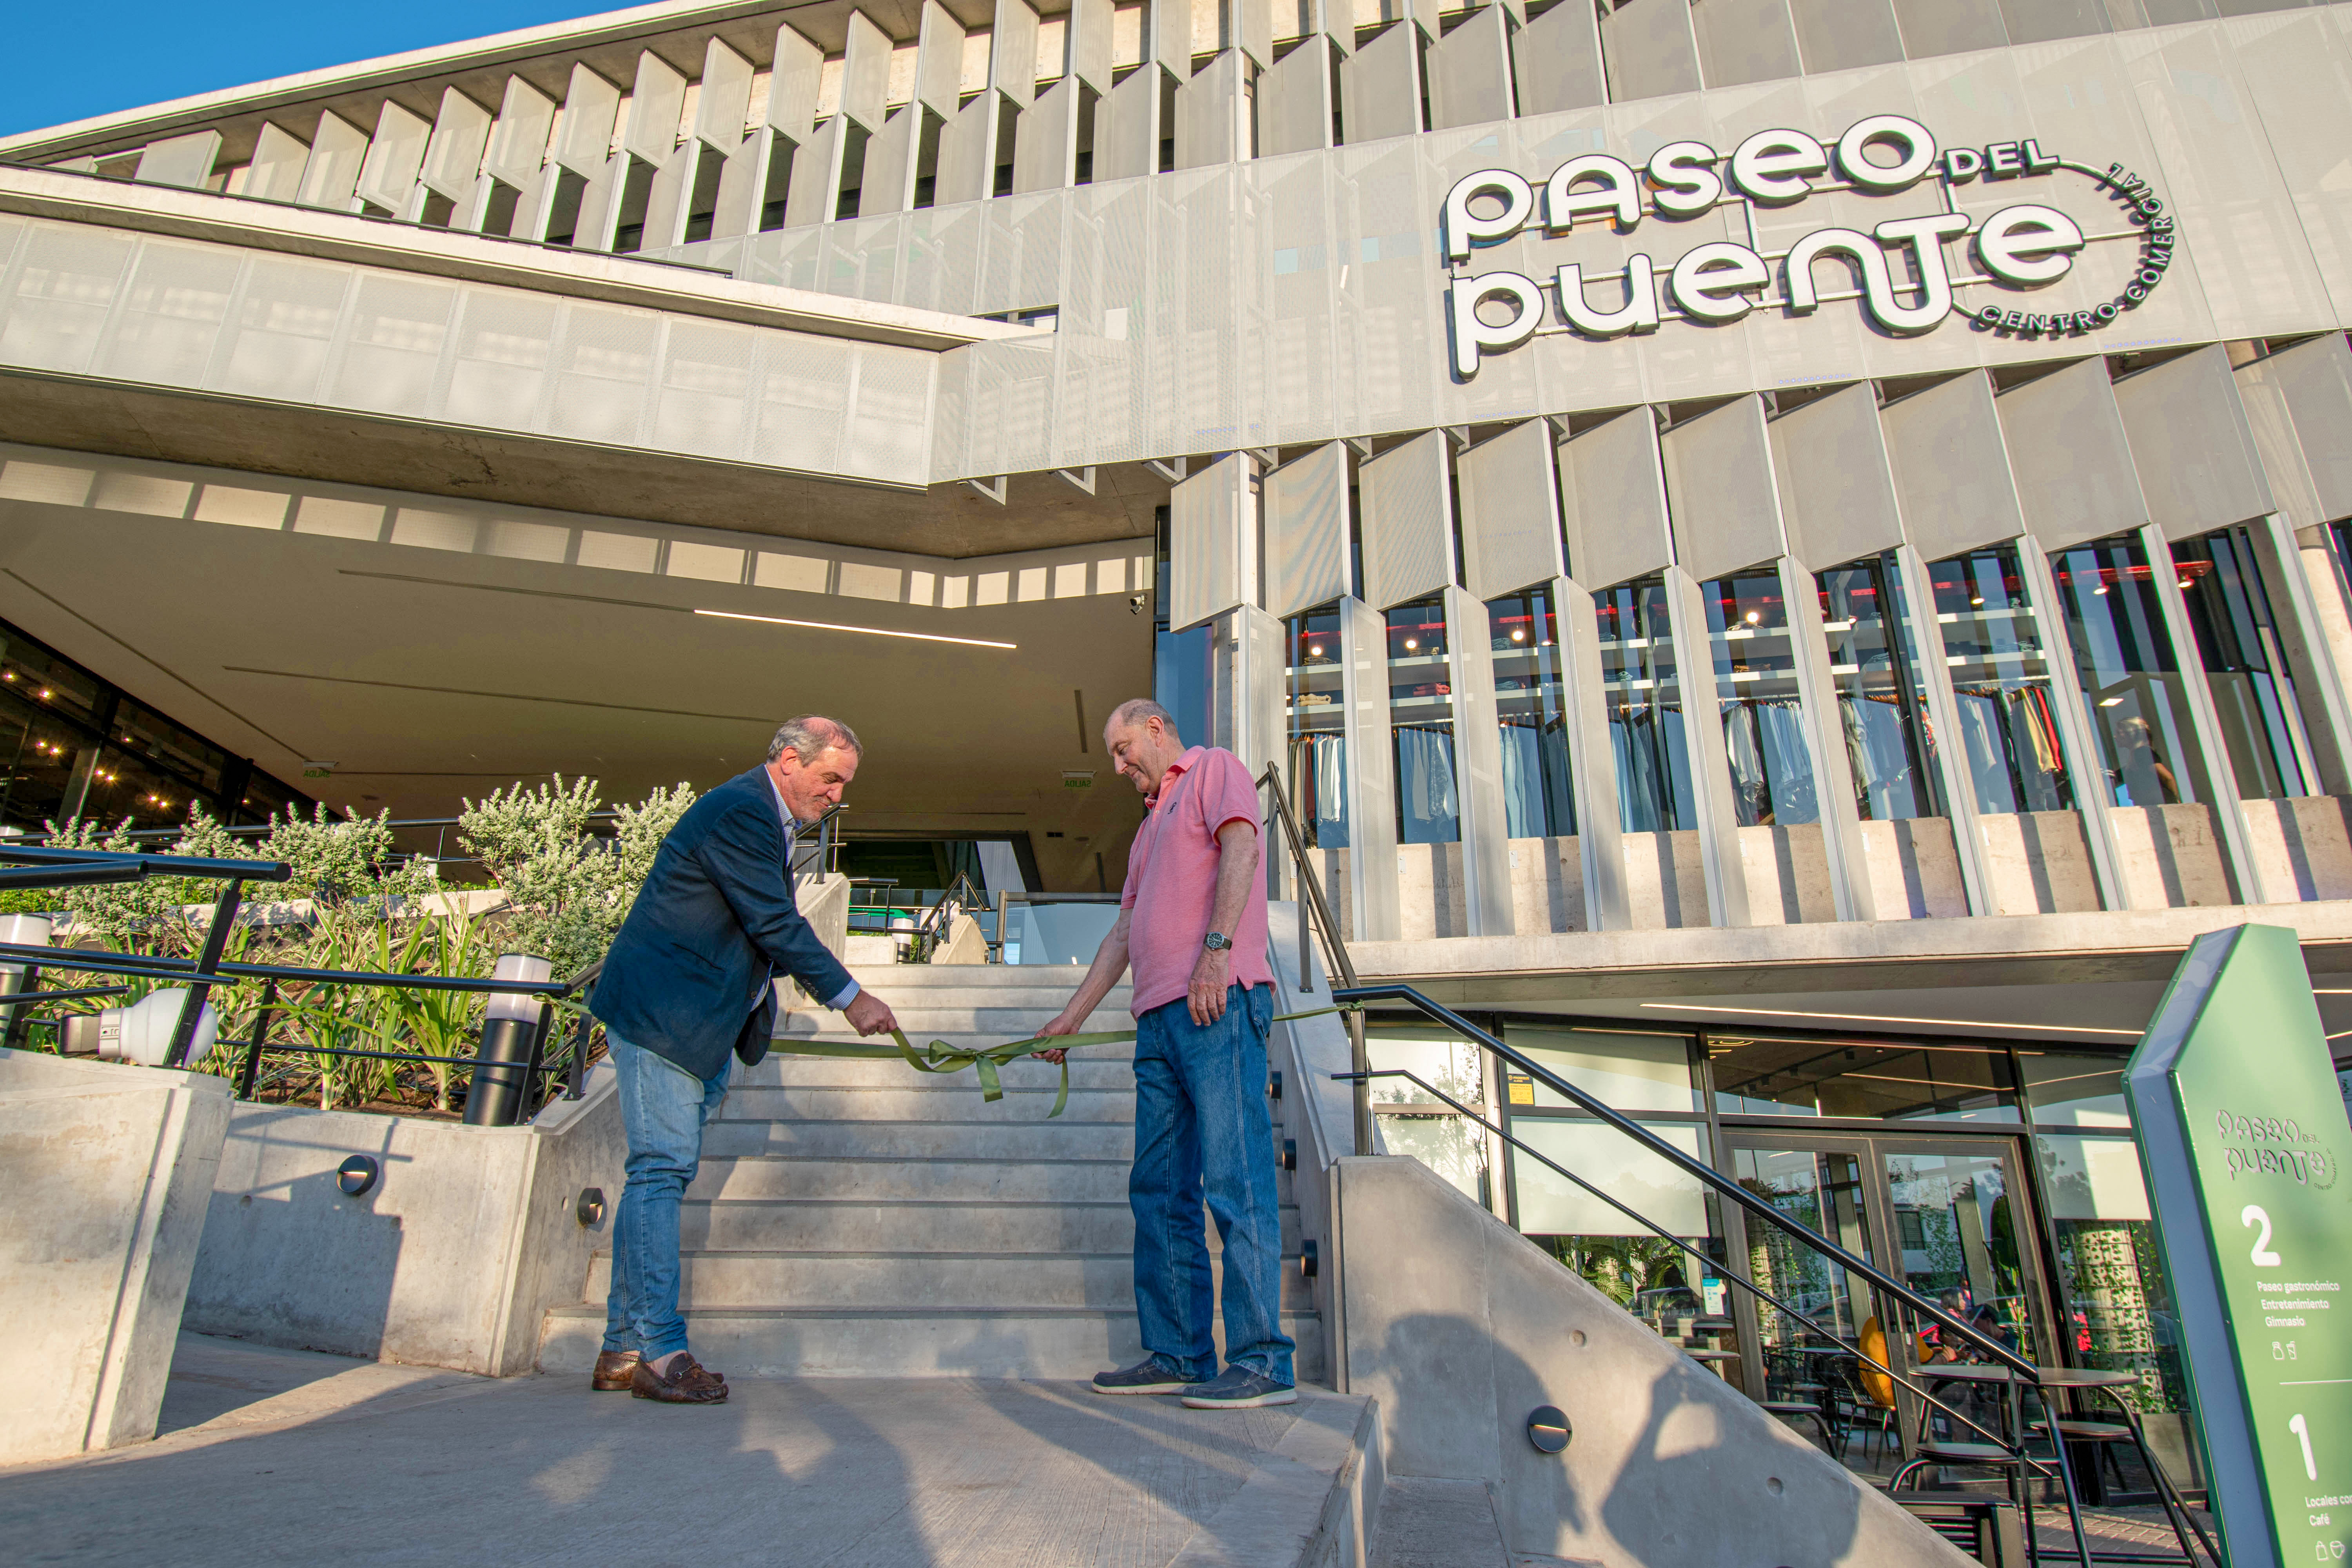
<point x="1010" y="1342"/>
<point x="1093" y="1069"/>
<point x="1033" y="1137"/>
<point x="931" y="1224"/>
<point x="945" y="1098"/>
<point x="933" y="1281"/>
<point x="787" y="1176"/>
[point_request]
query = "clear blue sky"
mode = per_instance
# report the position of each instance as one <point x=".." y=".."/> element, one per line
<point x="72" y="63"/>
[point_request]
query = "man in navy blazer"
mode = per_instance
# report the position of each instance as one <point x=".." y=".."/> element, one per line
<point x="690" y="982"/>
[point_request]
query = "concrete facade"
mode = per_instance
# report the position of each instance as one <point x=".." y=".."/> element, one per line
<point x="109" y="1167"/>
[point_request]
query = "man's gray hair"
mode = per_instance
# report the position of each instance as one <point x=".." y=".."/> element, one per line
<point x="1138" y="710"/>
<point x="807" y="736"/>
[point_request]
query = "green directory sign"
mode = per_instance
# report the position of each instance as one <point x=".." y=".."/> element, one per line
<point x="2243" y="1136"/>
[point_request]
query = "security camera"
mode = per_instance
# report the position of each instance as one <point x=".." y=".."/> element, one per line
<point x="141" y="1032"/>
<point x="1135" y="602"/>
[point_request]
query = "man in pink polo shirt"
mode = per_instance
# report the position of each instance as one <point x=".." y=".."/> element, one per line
<point x="1192" y="922"/>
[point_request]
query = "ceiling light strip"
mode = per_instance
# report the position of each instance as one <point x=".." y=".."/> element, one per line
<point x="867" y="631"/>
<point x="1877" y="1018"/>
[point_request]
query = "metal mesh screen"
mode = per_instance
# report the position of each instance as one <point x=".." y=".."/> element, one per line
<point x="65" y="284"/>
<point x="392" y="355"/>
<point x="603" y="373"/>
<point x="173" y="310"/>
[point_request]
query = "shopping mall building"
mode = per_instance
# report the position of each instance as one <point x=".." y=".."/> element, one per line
<point x="1789" y="555"/>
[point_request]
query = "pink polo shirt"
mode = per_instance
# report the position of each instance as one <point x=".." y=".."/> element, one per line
<point x="1172" y="879"/>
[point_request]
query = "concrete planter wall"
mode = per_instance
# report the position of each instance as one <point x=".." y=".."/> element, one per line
<point x="452" y="1260"/>
<point x="107" y="1168"/>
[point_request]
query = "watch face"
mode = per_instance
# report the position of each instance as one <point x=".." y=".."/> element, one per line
<point x="1215" y="942"/>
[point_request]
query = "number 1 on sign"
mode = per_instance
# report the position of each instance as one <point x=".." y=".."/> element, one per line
<point x="2303" y="1433"/>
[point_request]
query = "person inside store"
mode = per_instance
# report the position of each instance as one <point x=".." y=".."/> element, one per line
<point x="687" y="989"/>
<point x="1191" y="923"/>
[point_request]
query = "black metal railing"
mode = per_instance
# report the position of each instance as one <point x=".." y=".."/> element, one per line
<point x="1315" y="908"/>
<point x="1725" y="1188"/>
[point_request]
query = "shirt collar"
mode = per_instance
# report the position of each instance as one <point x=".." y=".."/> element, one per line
<point x="782" y="815"/>
<point x="1176" y="770"/>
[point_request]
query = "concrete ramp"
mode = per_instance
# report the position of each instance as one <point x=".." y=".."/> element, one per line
<point x="1459" y="1327"/>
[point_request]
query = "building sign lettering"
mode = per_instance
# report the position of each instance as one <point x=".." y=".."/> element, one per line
<point x="1898" y="267"/>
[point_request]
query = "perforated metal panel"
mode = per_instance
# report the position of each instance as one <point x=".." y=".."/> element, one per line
<point x="1127" y="128"/>
<point x="724" y="104"/>
<point x="518" y="141"/>
<point x="793" y="85"/>
<point x="967" y="167"/>
<point x="395" y="154"/>
<point x="1210" y="114"/>
<point x="2044" y="21"/>
<point x="1837" y="489"/>
<point x="1168" y="37"/>
<point x="2069" y="456"/>
<point x="1741" y="41"/>
<point x="1211" y="544"/>
<point x="815" y="183"/>
<point x="1557" y="60"/>
<point x="584" y="136"/>
<point x="656" y="105"/>
<point x="890" y="429"/>
<point x="1090" y="42"/>
<point x="803" y="403"/>
<point x="505" y="343"/>
<point x="1307" y="530"/>
<point x="888" y="183"/>
<point x="1720" y="491"/>
<point x="392" y="354"/>
<point x="1615" y="501"/>
<point x="1470" y="72"/>
<point x="332" y="169"/>
<point x="1252" y="30"/>
<point x="65" y="284"/>
<point x="702" y="404"/>
<point x="171" y="314"/>
<point x="1408" y="522"/>
<point x="1840" y="35"/>
<point x="1013" y="52"/>
<point x="284" y="327"/>
<point x="1380" y="88"/>
<point x="865" y="72"/>
<point x="1510" y="512"/>
<point x="453" y="158"/>
<point x="1650" y="51"/>
<point x="2300" y="404"/>
<point x="1294" y="101"/>
<point x="2195" y="459"/>
<point x="275" y="175"/>
<point x="183" y="161"/>
<point x="605" y="360"/>
<point x="939" y="61"/>
<point x="1933" y="28"/>
<point x="1950" y="468"/>
<point x="1045" y="142"/>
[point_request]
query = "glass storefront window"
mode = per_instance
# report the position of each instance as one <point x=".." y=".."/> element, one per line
<point x="1531" y="703"/>
<point x="1550" y="1205"/>
<point x="1421" y="712"/>
<point x="1319" y="754"/>
<point x="1870" y="1079"/>
<point x="2236" y="643"/>
<point x="1763" y="718"/>
<point x="1414" y="1122"/>
<point x="146" y="734"/>
<point x="1955" y="1225"/>
<point x="2129" y="673"/>
<point x="2117" y="1303"/>
<point x="1625" y="1071"/>
<point x="2000" y="681"/>
<point x="46" y="679"/>
<point x="1643" y="699"/>
<point x="1822" y="1190"/>
<point x="1873" y="668"/>
<point x="2075" y="1091"/>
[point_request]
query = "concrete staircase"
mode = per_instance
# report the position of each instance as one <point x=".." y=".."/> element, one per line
<point x="863" y="1219"/>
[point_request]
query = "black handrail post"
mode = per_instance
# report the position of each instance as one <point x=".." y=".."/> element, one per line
<point x="580" y="1057"/>
<point x="260" y="1032"/>
<point x="19" y="982"/>
<point x="530" y="1068"/>
<point x="1343" y="970"/>
<point x="183" y="1033"/>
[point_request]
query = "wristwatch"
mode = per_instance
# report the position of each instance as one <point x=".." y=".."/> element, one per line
<point x="1216" y="942"/>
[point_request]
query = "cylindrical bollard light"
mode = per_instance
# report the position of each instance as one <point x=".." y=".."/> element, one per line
<point x="24" y="930"/>
<point x="511" y="1019"/>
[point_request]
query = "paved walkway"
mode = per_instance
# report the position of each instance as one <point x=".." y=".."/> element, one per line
<point x="273" y="1457"/>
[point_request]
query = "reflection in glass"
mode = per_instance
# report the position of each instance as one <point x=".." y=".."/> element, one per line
<point x="2075" y="1091"/>
<point x="1625" y="1071"/>
<point x="1763" y="718"/>
<point x="1421" y="710"/>
<point x="2252" y="699"/>
<point x="1531" y="701"/>
<point x="2119" y="1311"/>
<point x="2130" y="675"/>
<point x="1645" y="708"/>
<point x="1681" y="1298"/>
<point x="2000" y="678"/>
<point x="1319" y="754"/>
<point x="1414" y="1122"/>
<point x="1874" y="669"/>
<point x="1821" y="1191"/>
<point x="1759" y="1076"/>
<point x="1956" y="1229"/>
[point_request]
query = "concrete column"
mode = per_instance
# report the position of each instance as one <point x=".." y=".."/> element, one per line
<point x="2308" y="613"/>
<point x="1825" y="740"/>
<point x="1372" y="773"/>
<point x="2220" y="780"/>
<point x="1478" y="765"/>
<point x="1718" y="822"/>
<point x="2086" y="767"/>
<point x="1591" y="764"/>
<point x="1952" y="777"/>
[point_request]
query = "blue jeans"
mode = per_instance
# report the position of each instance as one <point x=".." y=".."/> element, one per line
<point x="663" y="1108"/>
<point x="1201" y="1129"/>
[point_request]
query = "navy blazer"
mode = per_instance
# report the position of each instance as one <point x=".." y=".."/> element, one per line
<point x="692" y="973"/>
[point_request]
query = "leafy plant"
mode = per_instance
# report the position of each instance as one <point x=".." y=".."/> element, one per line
<point x="568" y="892"/>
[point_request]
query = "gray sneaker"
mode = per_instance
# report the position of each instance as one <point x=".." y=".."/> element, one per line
<point x="1150" y="1375"/>
<point x="1239" y="1388"/>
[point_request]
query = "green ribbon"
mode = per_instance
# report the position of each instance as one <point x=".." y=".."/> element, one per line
<point x="988" y="1061"/>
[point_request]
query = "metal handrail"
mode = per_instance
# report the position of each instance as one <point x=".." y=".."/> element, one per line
<point x="158" y="865"/>
<point x="1708" y="1176"/>
<point x="1335" y="951"/>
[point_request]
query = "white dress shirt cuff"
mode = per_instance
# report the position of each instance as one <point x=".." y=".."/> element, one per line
<point x="848" y="995"/>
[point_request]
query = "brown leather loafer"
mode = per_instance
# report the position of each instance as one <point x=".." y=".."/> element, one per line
<point x="613" y="1370"/>
<point x="686" y="1382"/>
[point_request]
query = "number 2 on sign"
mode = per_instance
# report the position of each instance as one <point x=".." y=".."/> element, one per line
<point x="2303" y="1433"/>
<point x="2263" y="1256"/>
